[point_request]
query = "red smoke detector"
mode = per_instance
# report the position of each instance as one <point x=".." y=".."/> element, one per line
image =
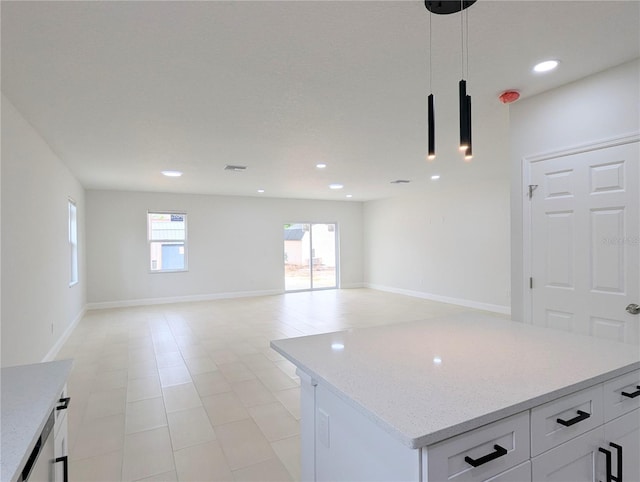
<point x="509" y="96"/>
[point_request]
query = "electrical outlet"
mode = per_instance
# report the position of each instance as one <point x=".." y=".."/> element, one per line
<point x="323" y="428"/>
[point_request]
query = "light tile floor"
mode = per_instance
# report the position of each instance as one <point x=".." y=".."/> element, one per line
<point x="193" y="392"/>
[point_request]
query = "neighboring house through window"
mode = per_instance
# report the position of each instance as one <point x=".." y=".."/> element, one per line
<point x="167" y="241"/>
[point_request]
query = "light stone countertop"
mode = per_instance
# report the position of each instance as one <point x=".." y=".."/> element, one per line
<point x="29" y="394"/>
<point x="429" y="380"/>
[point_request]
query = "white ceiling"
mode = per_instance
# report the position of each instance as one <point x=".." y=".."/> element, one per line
<point x="123" y="90"/>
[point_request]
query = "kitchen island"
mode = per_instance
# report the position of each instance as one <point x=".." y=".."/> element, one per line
<point x="468" y="397"/>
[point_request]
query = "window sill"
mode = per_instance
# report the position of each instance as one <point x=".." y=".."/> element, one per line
<point x="164" y="271"/>
<point x="73" y="284"/>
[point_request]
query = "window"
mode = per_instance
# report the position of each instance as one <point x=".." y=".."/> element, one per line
<point x="73" y="243"/>
<point x="167" y="241"/>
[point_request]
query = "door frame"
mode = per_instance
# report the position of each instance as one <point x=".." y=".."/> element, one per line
<point x="527" y="228"/>
<point x="337" y="258"/>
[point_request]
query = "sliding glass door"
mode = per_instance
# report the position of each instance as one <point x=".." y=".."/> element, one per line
<point x="310" y="256"/>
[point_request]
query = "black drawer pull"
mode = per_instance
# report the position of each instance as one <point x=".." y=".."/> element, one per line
<point x="581" y="416"/>
<point x="499" y="452"/>
<point x="65" y="467"/>
<point x="65" y="403"/>
<point x="632" y="395"/>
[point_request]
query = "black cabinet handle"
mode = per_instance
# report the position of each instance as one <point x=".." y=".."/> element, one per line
<point x="581" y="416"/>
<point x="499" y="452"/>
<point x="65" y="467"/>
<point x="618" y="448"/>
<point x="607" y="453"/>
<point x="610" y="476"/>
<point x="65" y="403"/>
<point x="632" y="395"/>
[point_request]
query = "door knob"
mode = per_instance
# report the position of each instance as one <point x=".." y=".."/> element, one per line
<point x="633" y="309"/>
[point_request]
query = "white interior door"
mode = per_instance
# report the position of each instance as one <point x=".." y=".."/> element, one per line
<point x="585" y="242"/>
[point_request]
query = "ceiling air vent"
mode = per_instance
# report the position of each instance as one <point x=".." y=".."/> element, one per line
<point x="400" y="181"/>
<point x="230" y="167"/>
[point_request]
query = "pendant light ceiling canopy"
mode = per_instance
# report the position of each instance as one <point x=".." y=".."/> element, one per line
<point x="446" y="7"/>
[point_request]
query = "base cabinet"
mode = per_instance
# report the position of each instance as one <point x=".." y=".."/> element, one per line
<point x="340" y="443"/>
<point x="61" y="440"/>
<point x="624" y="432"/>
<point x="575" y="460"/>
<point x="521" y="473"/>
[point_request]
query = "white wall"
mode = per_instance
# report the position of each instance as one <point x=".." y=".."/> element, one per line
<point x="235" y="245"/>
<point x="450" y="243"/>
<point x="596" y="108"/>
<point x="36" y="187"/>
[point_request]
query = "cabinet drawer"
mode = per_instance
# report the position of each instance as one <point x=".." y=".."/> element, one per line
<point x="59" y="415"/>
<point x="521" y="473"/>
<point x="446" y="460"/>
<point x="615" y="403"/>
<point x="565" y="418"/>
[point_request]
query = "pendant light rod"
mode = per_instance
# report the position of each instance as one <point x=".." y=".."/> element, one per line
<point x="431" y="121"/>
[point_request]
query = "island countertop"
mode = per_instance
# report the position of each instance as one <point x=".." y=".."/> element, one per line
<point x="429" y="380"/>
<point x="29" y="394"/>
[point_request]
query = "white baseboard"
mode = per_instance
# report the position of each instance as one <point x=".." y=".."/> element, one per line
<point x="102" y="305"/>
<point x="350" y="286"/>
<point x="65" y="336"/>
<point x="505" y="310"/>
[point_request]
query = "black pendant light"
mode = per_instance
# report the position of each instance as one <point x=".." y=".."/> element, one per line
<point x="431" y="120"/>
<point x="464" y="115"/>
<point x="446" y="7"/>
<point x="465" y="99"/>
<point x="468" y="155"/>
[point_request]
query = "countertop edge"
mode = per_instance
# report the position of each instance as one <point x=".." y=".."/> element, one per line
<point x="457" y="429"/>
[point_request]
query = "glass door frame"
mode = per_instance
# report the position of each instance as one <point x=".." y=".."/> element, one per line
<point x="311" y="267"/>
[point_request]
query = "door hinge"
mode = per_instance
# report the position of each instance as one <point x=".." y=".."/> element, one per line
<point x="530" y="283"/>
<point x="532" y="187"/>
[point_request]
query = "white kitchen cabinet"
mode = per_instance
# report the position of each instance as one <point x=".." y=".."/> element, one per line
<point x="61" y="453"/>
<point x="61" y="439"/>
<point x="624" y="432"/>
<point x="480" y="454"/>
<point x="349" y="447"/>
<point x="520" y="473"/>
<point x="575" y="460"/>
<point x="621" y="395"/>
<point x="340" y="444"/>
<point x="565" y="418"/>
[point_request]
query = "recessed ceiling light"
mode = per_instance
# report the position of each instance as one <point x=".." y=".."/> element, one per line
<point x="349" y="195"/>
<point x="335" y="186"/>
<point x="260" y="190"/>
<point x="321" y="165"/>
<point x="435" y="177"/>
<point x="545" y="66"/>
<point x="172" y="173"/>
